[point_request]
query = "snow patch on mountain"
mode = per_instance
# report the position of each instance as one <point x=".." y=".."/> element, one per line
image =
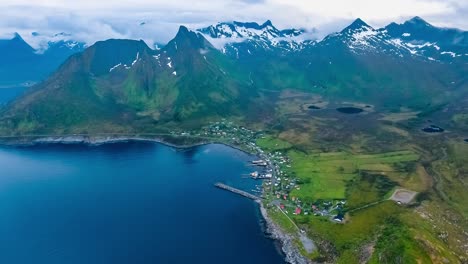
<point x="453" y="54"/>
<point x="136" y="59"/>
<point x="363" y="37"/>
<point x="239" y="38"/>
<point x="169" y="62"/>
<point x="115" y="67"/>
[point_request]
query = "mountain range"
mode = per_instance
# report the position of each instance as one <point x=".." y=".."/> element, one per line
<point x="22" y="65"/>
<point x="236" y="69"/>
<point x="415" y="37"/>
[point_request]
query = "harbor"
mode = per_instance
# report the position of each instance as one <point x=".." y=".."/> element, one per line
<point x="237" y="191"/>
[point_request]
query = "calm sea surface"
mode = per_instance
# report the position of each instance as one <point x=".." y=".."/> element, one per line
<point x="128" y="203"/>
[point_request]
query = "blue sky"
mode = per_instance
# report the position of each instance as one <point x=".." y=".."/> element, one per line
<point x="91" y="20"/>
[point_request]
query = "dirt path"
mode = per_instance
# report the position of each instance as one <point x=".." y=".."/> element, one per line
<point x="308" y="244"/>
<point x="366" y="206"/>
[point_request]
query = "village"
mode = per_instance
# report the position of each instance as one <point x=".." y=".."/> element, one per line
<point x="271" y="169"/>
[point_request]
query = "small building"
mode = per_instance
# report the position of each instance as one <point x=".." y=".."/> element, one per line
<point x="338" y="218"/>
<point x="297" y="211"/>
<point x="282" y="206"/>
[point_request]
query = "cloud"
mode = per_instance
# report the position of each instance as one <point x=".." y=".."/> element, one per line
<point x="90" y="20"/>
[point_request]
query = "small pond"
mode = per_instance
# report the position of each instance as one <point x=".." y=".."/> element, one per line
<point x="349" y="110"/>
<point x="433" y="129"/>
<point x="313" y="107"/>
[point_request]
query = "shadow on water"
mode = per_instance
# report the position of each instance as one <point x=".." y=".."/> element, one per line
<point x="189" y="154"/>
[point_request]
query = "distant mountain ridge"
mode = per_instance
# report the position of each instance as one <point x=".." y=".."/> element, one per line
<point x="22" y="64"/>
<point x="415" y="37"/>
<point x="423" y="39"/>
<point x="246" y="38"/>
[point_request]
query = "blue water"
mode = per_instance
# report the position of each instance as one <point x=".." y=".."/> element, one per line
<point x="128" y="203"/>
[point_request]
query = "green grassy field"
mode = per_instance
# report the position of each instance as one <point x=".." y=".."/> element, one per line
<point x="270" y="144"/>
<point x="373" y="235"/>
<point x="326" y="175"/>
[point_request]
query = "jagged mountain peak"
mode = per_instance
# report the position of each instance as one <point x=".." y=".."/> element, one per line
<point x="251" y="30"/>
<point x="361" y="38"/>
<point x="267" y="23"/>
<point x="357" y="24"/>
<point x="418" y="21"/>
<point x="16" y="44"/>
<point x="428" y="41"/>
<point x="252" y="25"/>
<point x="243" y="39"/>
<point x="183" y="30"/>
<point x="188" y="39"/>
<point x="16" y="35"/>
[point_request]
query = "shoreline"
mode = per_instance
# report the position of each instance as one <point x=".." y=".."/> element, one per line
<point x="288" y="248"/>
<point x="290" y="251"/>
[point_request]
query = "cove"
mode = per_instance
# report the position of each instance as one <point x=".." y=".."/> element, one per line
<point x="130" y="202"/>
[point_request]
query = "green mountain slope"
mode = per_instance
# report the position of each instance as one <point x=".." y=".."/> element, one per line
<point x="122" y="85"/>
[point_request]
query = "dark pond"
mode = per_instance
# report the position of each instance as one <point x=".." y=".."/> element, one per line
<point x="313" y="107"/>
<point x="433" y="129"/>
<point x="349" y="110"/>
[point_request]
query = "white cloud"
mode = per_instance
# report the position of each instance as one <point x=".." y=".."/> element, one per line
<point x="90" y="20"/>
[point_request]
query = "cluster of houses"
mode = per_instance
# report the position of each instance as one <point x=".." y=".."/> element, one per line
<point x="229" y="131"/>
<point x="333" y="210"/>
<point x="276" y="180"/>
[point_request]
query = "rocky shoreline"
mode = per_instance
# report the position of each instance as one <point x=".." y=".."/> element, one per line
<point x="290" y="250"/>
<point x="89" y="140"/>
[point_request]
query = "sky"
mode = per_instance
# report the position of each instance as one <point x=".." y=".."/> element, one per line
<point x="157" y="21"/>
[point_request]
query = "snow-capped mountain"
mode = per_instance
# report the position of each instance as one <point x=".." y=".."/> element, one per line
<point x="360" y="38"/>
<point x="241" y="39"/>
<point x="248" y="30"/>
<point x="414" y="38"/>
<point x="63" y="48"/>
<point x="434" y="43"/>
<point x="62" y="42"/>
